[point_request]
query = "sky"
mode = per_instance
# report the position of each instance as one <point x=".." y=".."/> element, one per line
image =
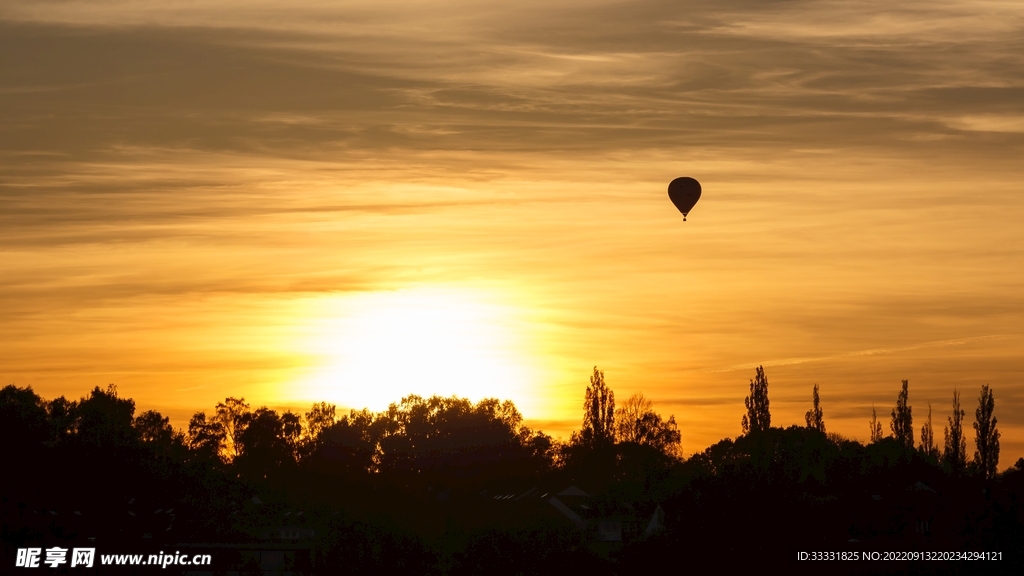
<point x="301" y="201"/>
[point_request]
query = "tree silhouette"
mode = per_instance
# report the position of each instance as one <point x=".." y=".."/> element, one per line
<point x="875" y="426"/>
<point x="105" y="420"/>
<point x="320" y="417"/>
<point x="266" y="442"/>
<point x="206" y="438"/>
<point x="758" y="418"/>
<point x="443" y="482"/>
<point x="349" y="446"/>
<point x="902" y="424"/>
<point x="628" y="416"/>
<point x="63" y="415"/>
<point x="291" y="431"/>
<point x="449" y="441"/>
<point x="986" y="437"/>
<point x="232" y="414"/>
<point x="637" y="422"/>
<point x="154" y="429"/>
<point x="598" y="412"/>
<point x="927" y="445"/>
<point x="815" y="417"/>
<point x="23" y="416"/>
<point x="954" y="456"/>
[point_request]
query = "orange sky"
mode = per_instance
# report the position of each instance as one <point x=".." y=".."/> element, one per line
<point x="301" y="201"/>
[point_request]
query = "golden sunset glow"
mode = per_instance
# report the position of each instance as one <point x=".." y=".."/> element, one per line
<point x="382" y="346"/>
<point x="357" y="201"/>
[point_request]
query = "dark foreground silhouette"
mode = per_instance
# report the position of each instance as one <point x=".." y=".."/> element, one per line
<point x="445" y="486"/>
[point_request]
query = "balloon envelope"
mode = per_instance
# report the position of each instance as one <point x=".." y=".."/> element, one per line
<point x="684" y="193"/>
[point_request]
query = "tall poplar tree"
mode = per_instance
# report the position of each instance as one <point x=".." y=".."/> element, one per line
<point x="757" y="418"/>
<point x="927" y="445"/>
<point x="902" y="424"/>
<point x="598" y="412"/>
<point x="875" y="426"/>
<point x="986" y="437"/>
<point x="815" y="417"/>
<point x="954" y="456"/>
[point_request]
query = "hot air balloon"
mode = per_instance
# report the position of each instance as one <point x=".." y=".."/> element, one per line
<point x="684" y="193"/>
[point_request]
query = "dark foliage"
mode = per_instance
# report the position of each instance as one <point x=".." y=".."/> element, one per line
<point x="902" y="424"/>
<point x="447" y="486"/>
<point x="637" y="422"/>
<point x="758" y="417"/>
<point x="875" y="427"/>
<point x="986" y="436"/>
<point x="927" y="445"/>
<point x="954" y="456"/>
<point x="598" y="428"/>
<point x="815" y="417"/>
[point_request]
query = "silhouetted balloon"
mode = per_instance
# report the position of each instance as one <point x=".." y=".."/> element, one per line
<point x="684" y="193"/>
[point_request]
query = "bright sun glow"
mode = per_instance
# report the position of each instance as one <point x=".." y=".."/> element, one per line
<point x="381" y="346"/>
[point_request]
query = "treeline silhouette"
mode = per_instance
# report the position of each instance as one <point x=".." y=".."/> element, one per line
<point x="447" y="486"/>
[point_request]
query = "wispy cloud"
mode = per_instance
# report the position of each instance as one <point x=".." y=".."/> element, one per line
<point x="870" y="352"/>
